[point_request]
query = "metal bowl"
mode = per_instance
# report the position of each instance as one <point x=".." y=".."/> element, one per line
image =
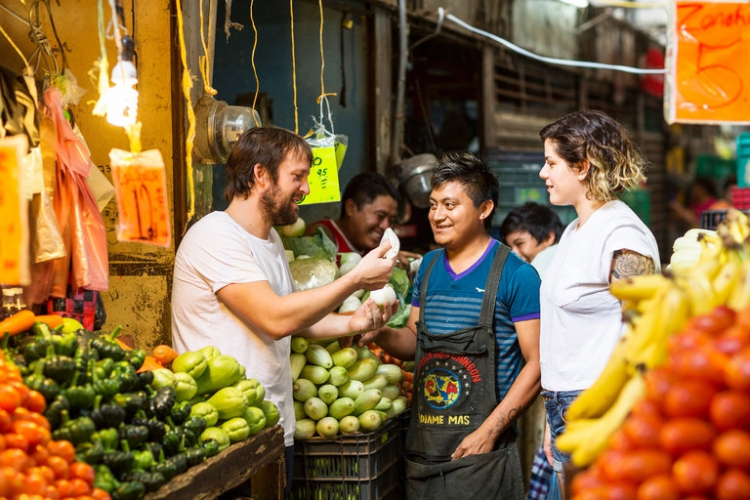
<point x="414" y="176"/>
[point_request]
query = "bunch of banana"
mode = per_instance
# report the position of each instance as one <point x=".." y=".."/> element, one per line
<point x="654" y="308"/>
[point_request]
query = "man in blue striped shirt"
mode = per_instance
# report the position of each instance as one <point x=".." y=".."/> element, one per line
<point x="474" y="335"/>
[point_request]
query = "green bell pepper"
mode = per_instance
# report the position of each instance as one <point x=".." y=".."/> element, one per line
<point x="205" y="411"/>
<point x="143" y="459"/>
<point x="195" y="455"/>
<point x="195" y="424"/>
<point x="125" y="372"/>
<point x="222" y="371"/>
<point x="133" y="434"/>
<point x="130" y="490"/>
<point x="52" y="412"/>
<point x="211" y="447"/>
<point x="106" y="387"/>
<point x="104" y="479"/>
<point x="76" y="431"/>
<point x="150" y="480"/>
<point x="107" y="347"/>
<point x="37" y="348"/>
<point x="90" y="452"/>
<point x="161" y="403"/>
<point x="106" y="415"/>
<point x="58" y="367"/>
<point x="236" y="428"/>
<point x="131" y="402"/>
<point x="65" y="344"/>
<point x="38" y="382"/>
<point x="180" y="412"/>
<point x="217" y="434"/>
<point x="185" y="386"/>
<point x="194" y="363"/>
<point x="110" y="438"/>
<point x="119" y="461"/>
<point x="136" y="358"/>
<point x="145" y="379"/>
<point x="80" y="397"/>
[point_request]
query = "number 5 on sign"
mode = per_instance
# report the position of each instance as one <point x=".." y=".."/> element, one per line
<point x="141" y="191"/>
<point x="14" y="230"/>
<point x="324" y="177"/>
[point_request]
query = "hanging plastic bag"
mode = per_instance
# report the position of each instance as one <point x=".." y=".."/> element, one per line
<point x="47" y="242"/>
<point x="340" y="143"/>
<point x="141" y="191"/>
<point x="324" y="172"/>
<point x="14" y="250"/>
<point x="78" y="215"/>
<point x="101" y="188"/>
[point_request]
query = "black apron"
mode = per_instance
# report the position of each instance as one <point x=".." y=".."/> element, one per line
<point x="454" y="392"/>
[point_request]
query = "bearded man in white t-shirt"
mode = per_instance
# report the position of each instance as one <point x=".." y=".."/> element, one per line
<point x="232" y="286"/>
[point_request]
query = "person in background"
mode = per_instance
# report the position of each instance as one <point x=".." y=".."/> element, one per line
<point x="474" y="334"/>
<point x="369" y="206"/>
<point x="589" y="158"/>
<point x="232" y="285"/>
<point x="532" y="231"/>
<point x="703" y="196"/>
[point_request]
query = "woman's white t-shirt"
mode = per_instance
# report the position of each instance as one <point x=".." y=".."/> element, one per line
<point x="217" y="252"/>
<point x="581" y="321"/>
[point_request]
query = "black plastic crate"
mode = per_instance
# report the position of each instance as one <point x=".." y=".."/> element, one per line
<point x="359" y="466"/>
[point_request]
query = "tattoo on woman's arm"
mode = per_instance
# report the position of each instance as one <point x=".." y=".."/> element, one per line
<point x="626" y="263"/>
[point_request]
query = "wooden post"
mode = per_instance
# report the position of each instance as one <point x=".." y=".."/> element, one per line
<point x="488" y="97"/>
<point x="381" y="71"/>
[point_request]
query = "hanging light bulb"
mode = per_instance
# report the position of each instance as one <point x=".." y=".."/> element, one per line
<point x="122" y="98"/>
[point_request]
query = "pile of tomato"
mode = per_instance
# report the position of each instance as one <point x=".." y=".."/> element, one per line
<point x="33" y="466"/>
<point x="690" y="436"/>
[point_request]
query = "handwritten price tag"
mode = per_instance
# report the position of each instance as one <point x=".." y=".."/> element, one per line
<point x="709" y="70"/>
<point x="141" y="191"/>
<point x="323" y="178"/>
<point x="14" y="227"/>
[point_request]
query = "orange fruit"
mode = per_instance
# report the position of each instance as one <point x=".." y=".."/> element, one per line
<point x="730" y="410"/>
<point x="639" y="465"/>
<point x="680" y="435"/>
<point x="695" y="472"/>
<point x="658" y="382"/>
<point x="587" y="480"/>
<point x="733" y="484"/>
<point x="643" y="430"/>
<point x="732" y="340"/>
<point x="737" y="371"/>
<point x="688" y="398"/>
<point x="701" y="363"/>
<point x="732" y="448"/>
<point x="659" y="487"/>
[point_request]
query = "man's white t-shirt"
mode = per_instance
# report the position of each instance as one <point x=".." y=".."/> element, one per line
<point x="217" y="252"/>
<point x="581" y="321"/>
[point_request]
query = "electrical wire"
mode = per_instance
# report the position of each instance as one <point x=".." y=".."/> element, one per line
<point x="204" y="62"/>
<point x="187" y="84"/>
<point x="10" y="41"/>
<point x="322" y="58"/>
<point x="252" y="62"/>
<point x="554" y="60"/>
<point x="633" y="5"/>
<point x="294" y="71"/>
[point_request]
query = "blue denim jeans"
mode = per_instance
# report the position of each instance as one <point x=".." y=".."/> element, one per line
<point x="556" y="404"/>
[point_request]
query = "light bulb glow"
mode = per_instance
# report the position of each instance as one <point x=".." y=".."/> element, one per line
<point x="122" y="98"/>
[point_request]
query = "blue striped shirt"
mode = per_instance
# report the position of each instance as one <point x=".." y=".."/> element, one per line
<point x="454" y="301"/>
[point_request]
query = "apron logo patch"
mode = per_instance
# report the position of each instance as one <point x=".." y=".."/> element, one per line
<point x="441" y="388"/>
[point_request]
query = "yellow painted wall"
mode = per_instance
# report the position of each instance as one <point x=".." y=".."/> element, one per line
<point x="140" y="274"/>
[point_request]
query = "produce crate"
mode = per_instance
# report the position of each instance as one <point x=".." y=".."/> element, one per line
<point x="360" y="466"/>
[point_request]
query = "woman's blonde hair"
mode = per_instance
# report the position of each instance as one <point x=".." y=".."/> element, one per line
<point x="615" y="162"/>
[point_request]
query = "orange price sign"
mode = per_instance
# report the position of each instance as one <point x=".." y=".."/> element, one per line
<point x="709" y="73"/>
<point x="141" y="190"/>
<point x="14" y="227"/>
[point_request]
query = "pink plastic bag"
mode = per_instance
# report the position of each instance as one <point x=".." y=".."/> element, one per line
<point x="78" y="215"/>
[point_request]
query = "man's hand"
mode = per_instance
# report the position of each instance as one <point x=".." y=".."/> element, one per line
<point x="374" y="270"/>
<point x="474" y="444"/>
<point x="404" y="258"/>
<point x="369" y="317"/>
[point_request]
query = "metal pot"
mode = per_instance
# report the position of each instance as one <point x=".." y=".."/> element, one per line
<point x="414" y="176"/>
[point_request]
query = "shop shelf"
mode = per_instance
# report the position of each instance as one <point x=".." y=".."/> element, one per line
<point x="360" y="466"/>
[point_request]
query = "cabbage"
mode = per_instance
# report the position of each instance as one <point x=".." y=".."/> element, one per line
<point x="317" y="245"/>
<point x="312" y="272"/>
<point x="400" y="281"/>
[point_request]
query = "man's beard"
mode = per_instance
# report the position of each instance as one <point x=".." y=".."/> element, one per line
<point x="280" y="213"/>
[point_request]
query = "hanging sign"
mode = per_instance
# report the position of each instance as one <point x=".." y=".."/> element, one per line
<point x="708" y="70"/>
<point x="141" y="190"/>
<point x="324" y="173"/>
<point x="14" y="226"/>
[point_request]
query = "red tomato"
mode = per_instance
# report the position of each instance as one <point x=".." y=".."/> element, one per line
<point x="688" y="398"/>
<point x="732" y="448"/>
<point x="730" y="410"/>
<point x="696" y="472"/>
<point x="659" y="487"/>
<point x="733" y="484"/>
<point x="684" y="434"/>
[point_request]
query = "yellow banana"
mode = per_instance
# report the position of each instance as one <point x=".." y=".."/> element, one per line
<point x="637" y="288"/>
<point x="724" y="282"/>
<point x="597" y="399"/>
<point x="606" y="425"/>
<point x="575" y="434"/>
<point x="642" y="331"/>
<point x="674" y="314"/>
<point x="701" y="296"/>
<point x="739" y="298"/>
